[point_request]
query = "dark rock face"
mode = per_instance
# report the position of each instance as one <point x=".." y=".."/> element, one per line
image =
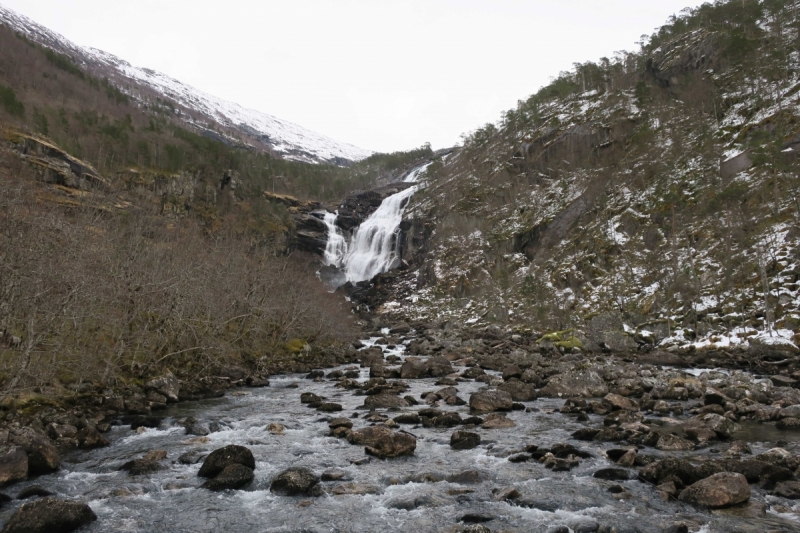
<point x="293" y="481"/>
<point x="383" y="442"/>
<point x="613" y="474"/>
<point x="233" y="476"/>
<point x="13" y="465"/>
<point x="219" y="459"/>
<point x="720" y="490"/>
<point x="491" y="401"/>
<point x="464" y="440"/>
<point x="50" y="515"/>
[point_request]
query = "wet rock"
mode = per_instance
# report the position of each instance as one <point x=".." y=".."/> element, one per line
<point x="167" y="386"/>
<point x="194" y="427"/>
<point x="720" y="425"/>
<point x="613" y="474"/>
<point x="33" y="491"/>
<point x="356" y="489"/>
<point x="333" y="475"/>
<point x="219" y="459"/>
<point x="191" y="458"/>
<point x="383" y="442"/>
<point x="50" y="515"/>
<point x="294" y="481"/>
<point x="719" y="490"/>
<point x="234" y="476"/>
<point x="61" y="431"/>
<point x="145" y="465"/>
<point x="315" y="374"/>
<point x="476" y="518"/>
<point x="464" y="440"/>
<point x="519" y="390"/>
<point x="13" y="465"/>
<point x="780" y="457"/>
<point x="497" y="421"/>
<point x="787" y="489"/>
<point x="493" y="400"/>
<point x="432" y="367"/>
<point x="276" y="428"/>
<point x="467" y="477"/>
<point x="473" y="372"/>
<point x="310" y="397"/>
<point x="673" y="443"/>
<point x="329" y="407"/>
<point x="89" y="438"/>
<point x="340" y="422"/>
<point x="384" y="401"/>
<point x="616" y="402"/>
<point x="586" y="383"/>
<point x="145" y="421"/>
<point x="42" y="454"/>
<point x="407" y="418"/>
<point x="671" y="468"/>
<point x="505" y="493"/>
<point x="512" y="371"/>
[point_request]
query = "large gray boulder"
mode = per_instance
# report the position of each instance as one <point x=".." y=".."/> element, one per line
<point x="43" y="456"/>
<point x="233" y="476"/>
<point x="383" y="442"/>
<point x="583" y="382"/>
<point x="720" y="490"/>
<point x="491" y="400"/>
<point x="167" y="385"/>
<point x="50" y="515"/>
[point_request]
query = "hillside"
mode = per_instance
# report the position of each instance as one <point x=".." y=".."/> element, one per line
<point x="191" y="108"/>
<point x="650" y="200"/>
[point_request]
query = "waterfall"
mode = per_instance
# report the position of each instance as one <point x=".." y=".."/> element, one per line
<point x="374" y="247"/>
<point x="336" y="247"/>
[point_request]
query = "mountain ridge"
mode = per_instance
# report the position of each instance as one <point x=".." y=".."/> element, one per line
<point x="239" y="125"/>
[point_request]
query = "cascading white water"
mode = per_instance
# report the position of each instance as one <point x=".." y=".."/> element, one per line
<point x="374" y="248"/>
<point x="336" y="247"/>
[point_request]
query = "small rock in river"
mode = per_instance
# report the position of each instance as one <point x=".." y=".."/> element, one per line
<point x="295" y="480"/>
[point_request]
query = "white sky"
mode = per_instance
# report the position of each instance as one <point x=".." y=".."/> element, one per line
<point x="381" y="74"/>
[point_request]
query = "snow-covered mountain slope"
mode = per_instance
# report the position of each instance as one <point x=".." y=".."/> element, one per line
<point x="199" y="109"/>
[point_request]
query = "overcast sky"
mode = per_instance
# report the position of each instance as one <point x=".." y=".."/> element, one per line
<point x="381" y="74"/>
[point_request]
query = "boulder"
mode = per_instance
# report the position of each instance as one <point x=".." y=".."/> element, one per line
<point x="293" y="481"/>
<point x="512" y="371"/>
<point x="329" y="407"/>
<point x="434" y="367"/>
<point x="219" y="459"/>
<point x="491" y="400"/>
<point x="383" y="442"/>
<point x="719" y="490"/>
<point x="519" y="390"/>
<point x="723" y="427"/>
<point x="42" y="454"/>
<point x="788" y="489"/>
<point x="585" y="382"/>
<point x="13" y="465"/>
<point x="340" y="423"/>
<point x="194" y="427"/>
<point x="497" y="421"/>
<point x="464" y="440"/>
<point x="384" y="401"/>
<point x="673" y="443"/>
<point x="613" y="474"/>
<point x="50" y="515"/>
<point x="89" y="438"/>
<point x="167" y="385"/>
<point x="233" y="476"/>
<point x="616" y="402"/>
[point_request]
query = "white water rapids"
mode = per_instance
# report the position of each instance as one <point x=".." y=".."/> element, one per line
<point x="374" y="245"/>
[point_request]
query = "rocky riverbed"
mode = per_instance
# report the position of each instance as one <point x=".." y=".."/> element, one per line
<point x="435" y="430"/>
